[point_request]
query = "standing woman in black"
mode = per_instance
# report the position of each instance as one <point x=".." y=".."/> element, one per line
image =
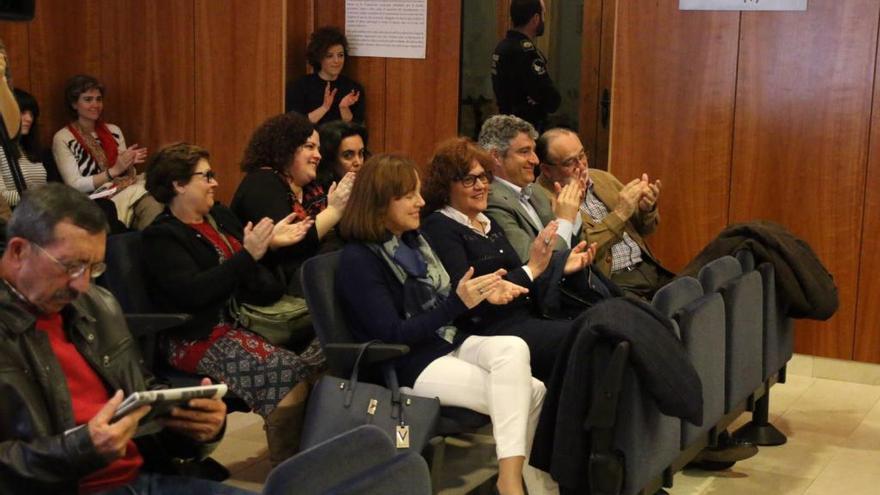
<point x="326" y="95"/>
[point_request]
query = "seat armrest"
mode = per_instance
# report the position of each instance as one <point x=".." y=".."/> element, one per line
<point x="145" y="324"/>
<point x="346" y="354"/>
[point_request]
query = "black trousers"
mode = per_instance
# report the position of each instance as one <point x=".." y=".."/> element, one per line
<point x="544" y="338"/>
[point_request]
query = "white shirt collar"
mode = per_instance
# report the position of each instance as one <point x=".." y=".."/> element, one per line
<point x="463" y="219"/>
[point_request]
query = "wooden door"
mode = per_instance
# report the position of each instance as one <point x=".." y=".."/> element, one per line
<point x="672" y="107"/>
<point x="803" y="109"/>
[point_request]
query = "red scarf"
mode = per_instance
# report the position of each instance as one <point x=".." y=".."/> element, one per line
<point x="107" y="142"/>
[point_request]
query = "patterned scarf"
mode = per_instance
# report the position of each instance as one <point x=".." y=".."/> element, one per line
<point x="314" y="199"/>
<point x="104" y="149"/>
<point x="425" y="282"/>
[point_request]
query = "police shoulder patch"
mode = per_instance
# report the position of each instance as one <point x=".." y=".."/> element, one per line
<point x="527" y="45"/>
<point x="539" y="67"/>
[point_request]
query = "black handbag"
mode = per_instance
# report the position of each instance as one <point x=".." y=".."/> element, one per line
<point x="337" y="405"/>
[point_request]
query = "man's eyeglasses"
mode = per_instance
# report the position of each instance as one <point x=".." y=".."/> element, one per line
<point x="471" y="179"/>
<point x="209" y="175"/>
<point x="573" y="161"/>
<point x="75" y="269"/>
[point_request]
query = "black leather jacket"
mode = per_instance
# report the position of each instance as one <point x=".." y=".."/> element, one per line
<point x="41" y="449"/>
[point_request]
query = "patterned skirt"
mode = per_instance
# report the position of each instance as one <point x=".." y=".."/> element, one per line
<point x="258" y="372"/>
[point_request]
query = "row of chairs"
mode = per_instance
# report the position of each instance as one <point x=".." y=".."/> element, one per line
<point x="730" y="321"/>
<point x="738" y="339"/>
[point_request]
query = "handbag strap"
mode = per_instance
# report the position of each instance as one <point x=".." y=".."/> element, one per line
<point x="391" y="382"/>
<point x="353" y="380"/>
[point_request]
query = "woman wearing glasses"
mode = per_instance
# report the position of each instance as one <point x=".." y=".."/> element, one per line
<point x="198" y="257"/>
<point x="456" y="192"/>
<point x="281" y="161"/>
<point x="343" y="150"/>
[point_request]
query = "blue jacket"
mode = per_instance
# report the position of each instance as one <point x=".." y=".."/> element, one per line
<point x="373" y="304"/>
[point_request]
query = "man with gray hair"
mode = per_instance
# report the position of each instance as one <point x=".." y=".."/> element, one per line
<point x="521" y="214"/>
<point x="69" y="357"/>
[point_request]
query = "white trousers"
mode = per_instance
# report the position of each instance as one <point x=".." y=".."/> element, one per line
<point x="492" y="375"/>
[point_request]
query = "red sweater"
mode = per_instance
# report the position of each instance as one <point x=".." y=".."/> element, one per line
<point x="88" y="394"/>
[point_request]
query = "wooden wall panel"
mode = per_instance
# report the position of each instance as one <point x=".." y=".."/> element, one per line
<point x="422" y="95"/>
<point x="15" y="37"/>
<point x="239" y="77"/>
<point x="502" y="18"/>
<point x="591" y="56"/>
<point x="330" y="13"/>
<point x="148" y="70"/>
<point x="803" y="105"/>
<point x="300" y="23"/>
<point x="61" y="48"/>
<point x="371" y="73"/>
<point x="672" y="116"/>
<point x="867" y="328"/>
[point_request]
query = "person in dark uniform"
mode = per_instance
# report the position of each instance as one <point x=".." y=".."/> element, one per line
<point x="519" y="70"/>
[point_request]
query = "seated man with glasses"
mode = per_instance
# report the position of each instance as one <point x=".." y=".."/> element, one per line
<point x="67" y="360"/>
<point x="616" y="216"/>
<point x="518" y="208"/>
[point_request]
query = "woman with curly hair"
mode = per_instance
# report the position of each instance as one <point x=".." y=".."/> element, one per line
<point x="281" y="162"/>
<point x="326" y="95"/>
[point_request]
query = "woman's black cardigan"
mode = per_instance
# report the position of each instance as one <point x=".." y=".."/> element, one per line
<point x="186" y="276"/>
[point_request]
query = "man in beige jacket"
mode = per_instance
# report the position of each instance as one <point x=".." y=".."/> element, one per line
<point x="616" y="216"/>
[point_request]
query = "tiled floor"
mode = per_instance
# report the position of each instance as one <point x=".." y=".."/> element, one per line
<point x="833" y="447"/>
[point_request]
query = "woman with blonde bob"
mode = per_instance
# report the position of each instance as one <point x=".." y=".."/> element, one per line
<point x="394" y="288"/>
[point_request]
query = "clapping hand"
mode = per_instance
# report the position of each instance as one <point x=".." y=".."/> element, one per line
<point x="628" y="198"/>
<point x="568" y="200"/>
<point x="580" y="257"/>
<point x="504" y="292"/>
<point x="338" y="194"/>
<point x="133" y="155"/>
<point x="542" y="249"/>
<point x="257" y="237"/>
<point x="472" y="291"/>
<point x="650" y="193"/>
<point x="350" y="99"/>
<point x="329" y="95"/>
<point x="287" y="232"/>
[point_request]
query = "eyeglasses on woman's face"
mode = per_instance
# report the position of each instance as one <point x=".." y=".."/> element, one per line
<point x="209" y="175"/>
<point x="470" y="179"/>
